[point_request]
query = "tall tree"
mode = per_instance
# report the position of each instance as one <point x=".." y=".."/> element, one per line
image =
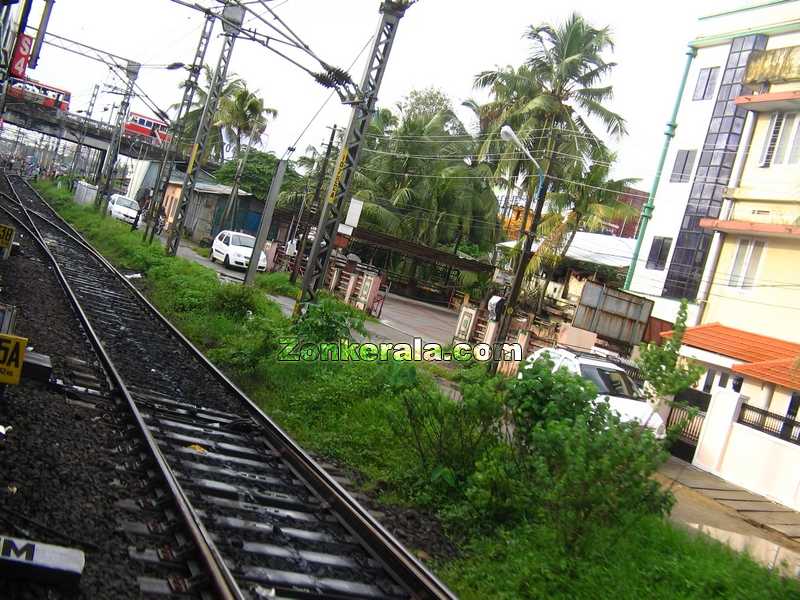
<point x="589" y="201"/>
<point x="549" y="99"/>
<point x="215" y="147"/>
<point x="243" y="115"/>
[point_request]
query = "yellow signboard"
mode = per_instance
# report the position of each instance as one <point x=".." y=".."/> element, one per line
<point x="6" y="239"/>
<point x="339" y="171"/>
<point x="12" y="355"/>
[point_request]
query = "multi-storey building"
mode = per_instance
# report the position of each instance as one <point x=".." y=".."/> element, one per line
<point x="705" y="151"/>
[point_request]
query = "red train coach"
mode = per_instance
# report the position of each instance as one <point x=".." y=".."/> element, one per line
<point x="29" y="90"/>
<point x="149" y="127"/>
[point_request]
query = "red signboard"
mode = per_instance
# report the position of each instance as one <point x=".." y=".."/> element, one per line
<point x="21" y="56"/>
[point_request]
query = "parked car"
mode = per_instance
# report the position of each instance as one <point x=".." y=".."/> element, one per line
<point x="612" y="382"/>
<point x="234" y="249"/>
<point x="123" y="208"/>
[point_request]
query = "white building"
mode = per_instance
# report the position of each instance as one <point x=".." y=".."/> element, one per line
<point x="701" y="147"/>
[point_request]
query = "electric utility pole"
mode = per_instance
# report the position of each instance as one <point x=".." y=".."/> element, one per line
<point x="87" y="115"/>
<point x="266" y="219"/>
<point x="232" y="206"/>
<point x="313" y="209"/>
<point x="132" y="71"/>
<point x="233" y="17"/>
<point x="339" y="189"/>
<point x="178" y="127"/>
<point x="522" y="263"/>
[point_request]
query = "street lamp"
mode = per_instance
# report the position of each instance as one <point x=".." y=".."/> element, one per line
<point x="508" y="135"/>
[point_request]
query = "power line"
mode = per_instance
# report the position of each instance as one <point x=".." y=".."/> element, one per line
<point x="328" y="99"/>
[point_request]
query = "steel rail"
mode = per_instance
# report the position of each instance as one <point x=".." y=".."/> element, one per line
<point x="221" y="578"/>
<point x="420" y="582"/>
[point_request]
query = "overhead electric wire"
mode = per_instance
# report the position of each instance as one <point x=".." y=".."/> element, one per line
<point x="330" y="95"/>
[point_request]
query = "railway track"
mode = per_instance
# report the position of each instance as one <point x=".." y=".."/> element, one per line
<point x="264" y="519"/>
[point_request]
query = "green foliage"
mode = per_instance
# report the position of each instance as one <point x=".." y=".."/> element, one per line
<point x="569" y="462"/>
<point x="448" y="435"/>
<point x="278" y="284"/>
<point x="541" y="395"/>
<point x="237" y="301"/>
<point x="649" y="558"/>
<point x="257" y="174"/>
<point x="663" y="368"/>
<point x="328" y="320"/>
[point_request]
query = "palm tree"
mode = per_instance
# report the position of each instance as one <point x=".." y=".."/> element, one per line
<point x="215" y="146"/>
<point x="242" y="114"/>
<point x="587" y="202"/>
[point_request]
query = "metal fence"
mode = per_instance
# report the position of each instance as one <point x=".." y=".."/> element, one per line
<point x="770" y="423"/>
<point x="691" y="430"/>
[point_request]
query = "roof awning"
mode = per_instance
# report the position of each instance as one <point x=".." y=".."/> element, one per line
<point x="752" y="228"/>
<point x="770" y="102"/>
<point x="595" y="248"/>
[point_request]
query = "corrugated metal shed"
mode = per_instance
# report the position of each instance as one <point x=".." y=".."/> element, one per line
<point x="612" y="314"/>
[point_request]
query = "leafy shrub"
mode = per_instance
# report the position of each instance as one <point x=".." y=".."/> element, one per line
<point x="665" y="372"/>
<point x="278" y="284"/>
<point x="237" y="301"/>
<point x="566" y="460"/>
<point x="328" y="321"/>
<point x="246" y="353"/>
<point x="448" y="436"/>
<point x="539" y="394"/>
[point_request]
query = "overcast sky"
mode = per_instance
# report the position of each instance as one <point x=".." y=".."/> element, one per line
<point x="441" y="43"/>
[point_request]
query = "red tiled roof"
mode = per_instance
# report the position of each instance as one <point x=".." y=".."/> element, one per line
<point x="783" y="371"/>
<point x="738" y="344"/>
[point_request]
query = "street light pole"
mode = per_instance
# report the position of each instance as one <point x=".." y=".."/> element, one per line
<point x="266" y="221"/>
<point x="508" y="135"/>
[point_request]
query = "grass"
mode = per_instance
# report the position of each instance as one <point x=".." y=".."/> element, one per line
<point x="278" y="284"/>
<point x="649" y="559"/>
<point x="346" y="411"/>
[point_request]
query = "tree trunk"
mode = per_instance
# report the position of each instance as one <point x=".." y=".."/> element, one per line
<point x="551" y="271"/>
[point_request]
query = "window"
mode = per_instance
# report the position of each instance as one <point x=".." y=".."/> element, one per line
<point x="659" y="251"/>
<point x="709" y="382"/>
<point x="682" y="170"/>
<point x="771" y="139"/>
<point x="706" y="84"/>
<point x="783" y="142"/>
<point x="745" y="263"/>
<point x="723" y="379"/>
<point x="608" y="381"/>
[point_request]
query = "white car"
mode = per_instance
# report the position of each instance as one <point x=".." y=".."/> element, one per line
<point x="612" y="382"/>
<point x="234" y="249"/>
<point x="123" y="208"/>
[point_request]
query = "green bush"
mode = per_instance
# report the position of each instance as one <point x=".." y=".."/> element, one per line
<point x="278" y="284"/>
<point x="328" y="320"/>
<point x="539" y="394"/>
<point x="448" y="436"/>
<point x="237" y="301"/>
<point x="566" y="460"/>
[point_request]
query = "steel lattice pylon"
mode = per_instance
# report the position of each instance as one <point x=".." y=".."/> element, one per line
<point x="233" y="16"/>
<point x="339" y="189"/>
<point x="132" y="71"/>
<point x="177" y="130"/>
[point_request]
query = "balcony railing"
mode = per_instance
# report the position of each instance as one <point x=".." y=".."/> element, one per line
<point x="770" y="423"/>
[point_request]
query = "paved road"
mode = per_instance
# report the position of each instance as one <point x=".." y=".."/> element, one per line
<point x="402" y="319"/>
